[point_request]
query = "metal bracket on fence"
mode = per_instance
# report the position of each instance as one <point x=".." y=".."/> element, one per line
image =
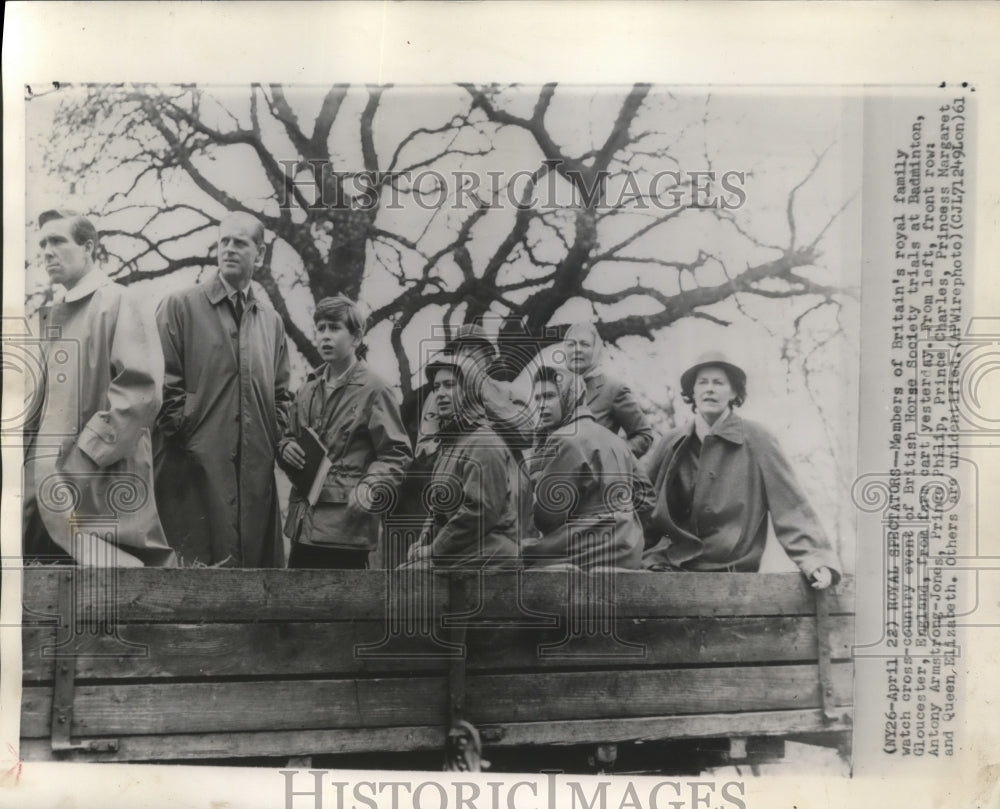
<point x="63" y="687"/>
<point x="823" y="631"/>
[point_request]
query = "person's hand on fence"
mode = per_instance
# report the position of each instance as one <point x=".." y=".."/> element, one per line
<point x="821" y="578"/>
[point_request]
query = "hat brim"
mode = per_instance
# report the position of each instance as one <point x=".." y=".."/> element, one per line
<point x="452" y="346"/>
<point x="736" y="374"/>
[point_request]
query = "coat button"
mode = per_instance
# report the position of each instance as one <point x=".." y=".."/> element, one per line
<point x="708" y="509"/>
<point x="712" y="475"/>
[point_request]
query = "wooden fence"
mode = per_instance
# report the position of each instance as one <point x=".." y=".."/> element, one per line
<point x="152" y="665"/>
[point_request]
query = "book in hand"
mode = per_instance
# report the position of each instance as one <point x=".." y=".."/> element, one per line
<point x="309" y="479"/>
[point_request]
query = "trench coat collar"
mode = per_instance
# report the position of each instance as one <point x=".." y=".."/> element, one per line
<point x="594" y="380"/>
<point x="702" y="428"/>
<point x="86" y="286"/>
<point x="217" y="292"/>
<point x="730" y="429"/>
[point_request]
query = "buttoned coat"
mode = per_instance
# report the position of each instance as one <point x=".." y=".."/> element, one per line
<point x="225" y="406"/>
<point x="743" y="476"/>
<point x="615" y="408"/>
<point x="89" y="469"/>
<point x="588" y="492"/>
<point x="358" y="421"/>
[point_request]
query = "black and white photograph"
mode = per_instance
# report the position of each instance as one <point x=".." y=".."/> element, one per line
<point x="440" y="440"/>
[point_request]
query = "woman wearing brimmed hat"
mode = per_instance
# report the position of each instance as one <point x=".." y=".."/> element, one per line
<point x="717" y="480"/>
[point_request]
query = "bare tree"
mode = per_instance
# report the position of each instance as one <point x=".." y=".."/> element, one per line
<point x="320" y="183"/>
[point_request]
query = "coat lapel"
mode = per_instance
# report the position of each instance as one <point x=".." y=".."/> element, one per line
<point x="216" y="294"/>
<point x="685" y="545"/>
<point x="594" y="385"/>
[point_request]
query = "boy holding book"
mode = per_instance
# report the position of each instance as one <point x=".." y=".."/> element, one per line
<point x="334" y="513"/>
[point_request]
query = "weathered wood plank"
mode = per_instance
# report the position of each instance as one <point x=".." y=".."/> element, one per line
<point x="181" y="746"/>
<point x="639" y="642"/>
<point x="649" y="728"/>
<point x="140" y="651"/>
<point x="357" y="740"/>
<point x="654" y="692"/>
<point x="304" y="704"/>
<point x="212" y="595"/>
<point x="240" y="650"/>
<point x="647" y="595"/>
<point x="242" y="706"/>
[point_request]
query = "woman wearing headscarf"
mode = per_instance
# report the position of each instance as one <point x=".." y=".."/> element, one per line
<point x="472" y="493"/>
<point x="588" y="490"/>
<point x="610" y="401"/>
<point x="717" y="480"/>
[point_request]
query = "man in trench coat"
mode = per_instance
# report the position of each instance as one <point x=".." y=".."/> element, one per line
<point x="225" y="406"/>
<point x="88" y="493"/>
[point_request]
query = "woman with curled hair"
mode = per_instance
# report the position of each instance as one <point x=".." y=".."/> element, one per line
<point x="355" y="415"/>
<point x="716" y="482"/>
<point x="588" y="489"/>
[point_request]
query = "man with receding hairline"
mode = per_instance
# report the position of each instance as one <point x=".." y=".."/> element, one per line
<point x="225" y="406"/>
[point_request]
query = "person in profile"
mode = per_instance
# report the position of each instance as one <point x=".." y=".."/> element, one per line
<point x="225" y="406"/>
<point x="88" y="494"/>
<point x="588" y="490"/>
<point x="612" y="403"/>
<point x="716" y="482"/>
<point x="352" y="416"/>
<point x="472" y="493"/>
